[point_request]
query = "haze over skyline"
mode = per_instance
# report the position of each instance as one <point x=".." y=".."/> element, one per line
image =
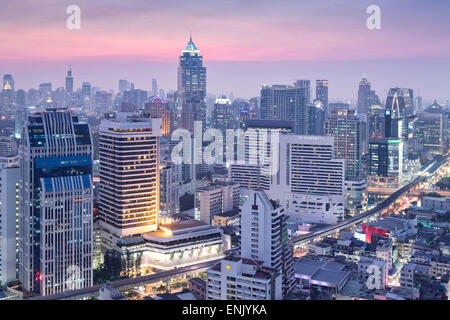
<point x="244" y="44"/>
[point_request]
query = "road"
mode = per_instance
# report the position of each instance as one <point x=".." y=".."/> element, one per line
<point x="130" y="281"/>
<point x="425" y="172"/>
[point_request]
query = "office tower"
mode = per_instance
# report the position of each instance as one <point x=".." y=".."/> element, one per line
<point x="33" y="97"/>
<point x="154" y="87"/>
<point x="419" y="104"/>
<point x="69" y="82"/>
<point x="310" y="181"/>
<point x="192" y="87"/>
<point x="223" y="115"/>
<point x="366" y="97"/>
<point x="255" y="171"/>
<point x="315" y="119"/>
<point x="401" y="102"/>
<point x="56" y="204"/>
<point x="322" y="94"/>
<point x="8" y="90"/>
<point x="136" y="97"/>
<point x="216" y="199"/>
<point x="376" y="122"/>
<point x="124" y="85"/>
<point x="386" y="159"/>
<point x="169" y="194"/>
<point x="8" y="147"/>
<point x="264" y="235"/>
<point x="344" y="126"/>
<point x="102" y="102"/>
<point x="45" y="92"/>
<point x="20" y="98"/>
<point x="86" y="96"/>
<point x="129" y="175"/>
<point x="9" y="217"/>
<point x="162" y="93"/>
<point x="430" y="129"/>
<point x="282" y="102"/>
<point x="157" y="107"/>
<point x="236" y="278"/>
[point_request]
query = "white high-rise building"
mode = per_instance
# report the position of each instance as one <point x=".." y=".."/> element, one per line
<point x="56" y="204"/>
<point x="300" y="172"/>
<point x="9" y="219"/>
<point x="310" y="182"/>
<point x="129" y="175"/>
<point x="264" y="234"/>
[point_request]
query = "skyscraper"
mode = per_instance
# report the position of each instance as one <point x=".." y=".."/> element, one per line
<point x="154" y="87"/>
<point x="344" y="126"/>
<point x="129" y="174"/>
<point x="56" y="207"/>
<point x="124" y="85"/>
<point x="322" y="94"/>
<point x="192" y="87"/>
<point x="8" y="90"/>
<point x="283" y="102"/>
<point x="69" y="81"/>
<point x="366" y="97"/>
<point x="157" y="107"/>
<point x="264" y="235"/>
<point x="315" y="119"/>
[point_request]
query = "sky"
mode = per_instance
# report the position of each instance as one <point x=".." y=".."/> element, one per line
<point x="245" y="43"/>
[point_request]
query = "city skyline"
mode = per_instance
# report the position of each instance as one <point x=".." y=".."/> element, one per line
<point x="332" y="43"/>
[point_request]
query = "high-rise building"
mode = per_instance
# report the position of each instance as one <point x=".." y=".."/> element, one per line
<point x="223" y="115"/>
<point x="310" y="181"/>
<point x="86" y="96"/>
<point x="315" y="119"/>
<point x="69" y="81"/>
<point x="366" y="97"/>
<point x="129" y="175"/>
<point x="124" y="85"/>
<point x="344" y="126"/>
<point x="169" y="193"/>
<point x="8" y="90"/>
<point x="136" y="97"/>
<point x="282" y="102"/>
<point x="157" y="107"/>
<point x="192" y="87"/>
<point x="216" y="199"/>
<point x="154" y="87"/>
<point x="9" y="217"/>
<point x="400" y="102"/>
<point x="56" y="207"/>
<point x="102" y="102"/>
<point x="264" y="235"/>
<point x="386" y="159"/>
<point x="430" y="129"/>
<point x="376" y="122"/>
<point x="322" y="94"/>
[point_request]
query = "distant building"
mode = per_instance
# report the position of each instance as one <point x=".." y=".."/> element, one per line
<point x="283" y="102"/>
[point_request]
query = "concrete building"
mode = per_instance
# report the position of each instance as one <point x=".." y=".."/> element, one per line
<point x="264" y="234"/>
<point x="129" y="175"/>
<point x="216" y="199"/>
<point x="310" y="181"/>
<point x="9" y="220"/>
<point x="56" y="199"/>
<point x="236" y="278"/>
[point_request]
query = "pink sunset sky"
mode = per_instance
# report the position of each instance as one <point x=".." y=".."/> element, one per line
<point x="245" y="43"/>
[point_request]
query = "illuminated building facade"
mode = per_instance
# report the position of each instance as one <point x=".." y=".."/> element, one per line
<point x="56" y="207"/>
<point x="129" y="175"/>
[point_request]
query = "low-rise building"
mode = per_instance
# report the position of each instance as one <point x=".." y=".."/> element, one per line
<point x="237" y="278"/>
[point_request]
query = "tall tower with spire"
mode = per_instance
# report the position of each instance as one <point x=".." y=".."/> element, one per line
<point x="191" y="86"/>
